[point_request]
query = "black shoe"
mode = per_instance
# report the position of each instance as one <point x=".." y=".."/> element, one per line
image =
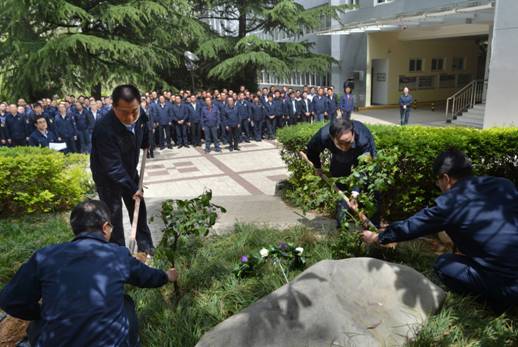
<point x="218" y="149"/>
<point x="186" y="146"/>
<point x="237" y="148"/>
<point x="152" y="155"/>
<point x="170" y="147"/>
<point x="231" y="149"/>
<point x="247" y="141"/>
<point x="207" y="150"/>
<point x="162" y="148"/>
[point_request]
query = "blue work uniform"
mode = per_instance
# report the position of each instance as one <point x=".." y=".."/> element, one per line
<point x="210" y="122"/>
<point x="258" y="116"/>
<point x="294" y="111"/>
<point x="194" y="118"/>
<point x="179" y="116"/>
<point x="342" y="162"/>
<point x="16" y="126"/>
<point x="405" y="105"/>
<point x="39" y="139"/>
<point x="480" y="214"/>
<point x="81" y="285"/>
<point x="85" y="125"/>
<point x="232" y="123"/>
<point x="347" y="106"/>
<point x="66" y="131"/>
<point x="4" y="132"/>
<point x="271" y="119"/>
<point x="320" y="107"/>
<point x="113" y="162"/>
<point x="243" y="109"/>
<point x="332" y="106"/>
<point x="163" y="116"/>
<point x="306" y="107"/>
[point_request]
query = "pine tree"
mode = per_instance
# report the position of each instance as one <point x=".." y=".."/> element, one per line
<point x="238" y="56"/>
<point x="56" y="45"/>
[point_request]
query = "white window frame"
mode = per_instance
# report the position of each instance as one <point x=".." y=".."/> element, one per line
<point x="415" y="65"/>
<point x="383" y="2"/>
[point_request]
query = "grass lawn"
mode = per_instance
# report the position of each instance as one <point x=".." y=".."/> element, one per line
<point x="211" y="292"/>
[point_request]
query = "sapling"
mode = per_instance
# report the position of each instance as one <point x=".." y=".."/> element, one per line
<point x="186" y="218"/>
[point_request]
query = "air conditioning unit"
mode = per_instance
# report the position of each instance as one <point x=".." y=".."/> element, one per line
<point x="359" y="75"/>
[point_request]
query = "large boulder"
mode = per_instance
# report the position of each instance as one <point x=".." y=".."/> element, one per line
<point x="351" y="302"/>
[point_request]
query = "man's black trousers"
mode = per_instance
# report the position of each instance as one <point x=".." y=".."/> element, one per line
<point x="112" y="195"/>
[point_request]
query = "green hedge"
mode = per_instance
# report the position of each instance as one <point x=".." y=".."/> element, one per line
<point x="41" y="180"/>
<point x="493" y="152"/>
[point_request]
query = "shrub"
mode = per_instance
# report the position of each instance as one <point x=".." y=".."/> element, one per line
<point x="411" y="183"/>
<point x="41" y="180"/>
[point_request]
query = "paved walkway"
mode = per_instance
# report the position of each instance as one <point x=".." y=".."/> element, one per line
<point x="241" y="181"/>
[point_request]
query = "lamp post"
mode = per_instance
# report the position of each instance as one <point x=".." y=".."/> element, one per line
<point x="190" y="63"/>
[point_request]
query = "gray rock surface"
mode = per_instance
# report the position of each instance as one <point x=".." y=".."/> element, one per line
<point x="350" y="302"/>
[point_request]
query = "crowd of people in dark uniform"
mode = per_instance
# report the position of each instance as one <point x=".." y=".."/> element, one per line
<point x="183" y="119"/>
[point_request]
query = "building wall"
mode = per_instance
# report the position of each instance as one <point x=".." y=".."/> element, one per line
<point x="398" y="53"/>
<point x="503" y="70"/>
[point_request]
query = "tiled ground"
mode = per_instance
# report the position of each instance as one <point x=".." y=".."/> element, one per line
<point x="187" y="172"/>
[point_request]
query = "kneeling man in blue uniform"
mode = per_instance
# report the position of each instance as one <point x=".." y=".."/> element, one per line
<point x="73" y="293"/>
<point x="480" y="214"/>
<point x="116" y="143"/>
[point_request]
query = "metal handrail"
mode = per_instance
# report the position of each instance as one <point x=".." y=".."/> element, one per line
<point x="464" y="99"/>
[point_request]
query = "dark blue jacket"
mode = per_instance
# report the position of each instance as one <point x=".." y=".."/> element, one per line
<point x="17" y="126"/>
<point x="178" y="112"/>
<point x="480" y="214"/>
<point x="163" y="113"/>
<point x="278" y="107"/>
<point x="231" y="116"/>
<point x="406" y="100"/>
<point x="84" y="120"/>
<point x="37" y="139"/>
<point x="320" y="105"/>
<point x="81" y="284"/>
<point x="116" y="150"/>
<point x="65" y="127"/>
<point x="243" y="109"/>
<point x="194" y="116"/>
<point x="4" y="132"/>
<point x="306" y="107"/>
<point x="332" y="105"/>
<point x="258" y="112"/>
<point x="347" y="103"/>
<point x="269" y="109"/>
<point x="289" y="108"/>
<point x="341" y="162"/>
<point x="210" y="117"/>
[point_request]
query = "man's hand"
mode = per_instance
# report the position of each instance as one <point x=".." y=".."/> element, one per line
<point x="172" y="275"/>
<point x="319" y="172"/>
<point x="75" y="138"/>
<point x="228" y="129"/>
<point x="138" y="195"/>
<point x="369" y="237"/>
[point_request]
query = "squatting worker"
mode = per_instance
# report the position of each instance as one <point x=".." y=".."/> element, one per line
<point x="480" y="214"/>
<point x="116" y="143"/>
<point x="346" y="140"/>
<point x="81" y="287"/>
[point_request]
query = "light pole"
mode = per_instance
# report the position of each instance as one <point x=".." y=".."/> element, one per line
<point x="190" y="63"/>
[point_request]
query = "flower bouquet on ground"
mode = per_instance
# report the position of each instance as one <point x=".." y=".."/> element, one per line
<point x="285" y="256"/>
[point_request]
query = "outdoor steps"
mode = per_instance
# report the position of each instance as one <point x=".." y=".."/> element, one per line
<point x="472" y="118"/>
<point x="264" y="210"/>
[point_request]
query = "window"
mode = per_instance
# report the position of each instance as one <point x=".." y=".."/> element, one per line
<point x="458" y="64"/>
<point x="426" y="82"/>
<point x="446" y="81"/>
<point x="437" y="64"/>
<point x="379" y="2"/>
<point x="463" y="79"/>
<point x="415" y="65"/>
<point x="407" y="81"/>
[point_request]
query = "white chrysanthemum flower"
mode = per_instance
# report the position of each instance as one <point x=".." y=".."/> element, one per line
<point x="264" y="252"/>
<point x="299" y="250"/>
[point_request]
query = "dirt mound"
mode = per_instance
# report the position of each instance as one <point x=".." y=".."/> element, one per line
<point x="12" y="330"/>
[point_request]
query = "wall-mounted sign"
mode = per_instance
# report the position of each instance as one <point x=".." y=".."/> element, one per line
<point x="381" y="77"/>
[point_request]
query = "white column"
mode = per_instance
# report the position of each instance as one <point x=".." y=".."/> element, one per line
<point x="501" y="107"/>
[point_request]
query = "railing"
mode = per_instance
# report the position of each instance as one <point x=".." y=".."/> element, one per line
<point x="464" y="99"/>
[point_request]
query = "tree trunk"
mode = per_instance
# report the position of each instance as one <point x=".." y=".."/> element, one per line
<point x="96" y="91"/>
<point x="242" y="19"/>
